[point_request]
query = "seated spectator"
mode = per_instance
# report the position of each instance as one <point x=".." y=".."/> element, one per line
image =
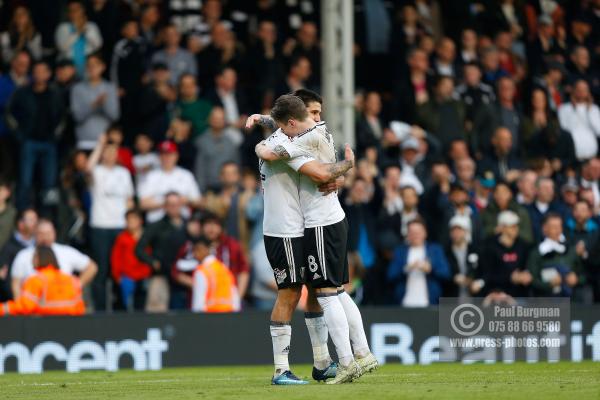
<point x="21" y="35"/>
<point x="462" y="257"/>
<point x="581" y="227"/>
<point x="70" y="260"/>
<point x="128" y="272"/>
<point x="145" y="160"/>
<point x="158" y="95"/>
<point x="213" y="285"/>
<point x="48" y="291"/>
<point x="7" y="213"/>
<point x="554" y="265"/>
<point x="418" y="269"/>
<point x="179" y="61"/>
<point x="441" y="115"/>
<point x="21" y="237"/>
<point x="502" y="161"/>
<point x="191" y="107"/>
<point x="94" y="103"/>
<point x="502" y="200"/>
<point x="214" y="148"/>
<point x="158" y="248"/>
<point x="581" y="118"/>
<point x="112" y="195"/>
<point x="77" y="38"/>
<point x="545" y="202"/>
<point x="227" y="250"/>
<point x="167" y="179"/>
<point x="504" y="258"/>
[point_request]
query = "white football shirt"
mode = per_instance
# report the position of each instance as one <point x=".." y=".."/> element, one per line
<point x="280" y="184"/>
<point x="316" y="143"/>
<point x="69" y="259"/>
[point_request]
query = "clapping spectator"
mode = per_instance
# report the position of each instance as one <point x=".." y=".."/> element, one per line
<point x="21" y="35"/>
<point x="94" y="103"/>
<point x="77" y="38"/>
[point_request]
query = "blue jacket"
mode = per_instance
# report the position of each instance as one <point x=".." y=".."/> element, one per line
<point x="440" y="271"/>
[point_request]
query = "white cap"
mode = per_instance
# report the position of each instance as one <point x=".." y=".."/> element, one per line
<point x="460" y="221"/>
<point x="508" y="218"/>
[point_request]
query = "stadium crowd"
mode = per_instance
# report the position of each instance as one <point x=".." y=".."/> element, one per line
<point x="122" y="142"/>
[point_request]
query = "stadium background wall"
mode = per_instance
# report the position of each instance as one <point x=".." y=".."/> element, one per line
<point x="143" y="341"/>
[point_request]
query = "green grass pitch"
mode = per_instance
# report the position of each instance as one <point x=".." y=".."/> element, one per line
<point x="565" y="380"/>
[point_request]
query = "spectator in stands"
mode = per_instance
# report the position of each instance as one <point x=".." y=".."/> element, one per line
<point x="462" y="257"/>
<point x="503" y="163"/>
<point x="473" y="93"/>
<point x="543" y="135"/>
<point x="590" y="253"/>
<point x="213" y="284"/>
<point x="126" y="70"/>
<point x="185" y="264"/>
<point x="105" y="14"/>
<point x="581" y="118"/>
<point x="526" y="187"/>
<point x="8" y="213"/>
<point x="581" y="227"/>
<point x="214" y="148"/>
<point x="158" y="95"/>
<point x="22" y="237"/>
<point x="306" y="44"/>
<point x="581" y="69"/>
<point x="458" y="204"/>
<point x="35" y="113"/>
<point x="503" y="201"/>
<point x="168" y="178"/>
<point x="504" y="258"/>
<point x="211" y="15"/>
<point x="179" y="61"/>
<point x="369" y="125"/>
<point x="16" y="77"/>
<point x="444" y="63"/>
<point x="545" y="45"/>
<point x="21" y="35"/>
<point x="554" y="265"/>
<point x="543" y="205"/>
<point x="112" y="195"/>
<point x="149" y="19"/>
<point x="551" y="83"/>
<point x="490" y="66"/>
<point x="361" y="208"/>
<point x="115" y="136"/>
<point x="164" y="238"/>
<point x="441" y="115"/>
<point x="190" y="106"/>
<point x="94" y="103"/>
<point x="388" y="216"/>
<point x="465" y="174"/>
<point x="48" y="291"/>
<point x="298" y="74"/>
<point x="127" y="270"/>
<point x="590" y="174"/>
<point x="413" y="90"/>
<point x="77" y="38"/>
<point x="180" y="133"/>
<point x="266" y="63"/>
<point x="227" y="250"/>
<point x="468" y="47"/>
<point x="70" y="260"/>
<point x="145" y="160"/>
<point x="418" y="269"/>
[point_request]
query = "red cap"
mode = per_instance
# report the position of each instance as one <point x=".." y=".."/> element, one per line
<point x="167" y="147"/>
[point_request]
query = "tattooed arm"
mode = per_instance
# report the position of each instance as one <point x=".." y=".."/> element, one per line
<point x="266" y="153"/>
<point x="322" y="173"/>
<point x="263" y="120"/>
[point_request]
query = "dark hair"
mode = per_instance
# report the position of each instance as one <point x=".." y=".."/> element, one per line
<point x="417" y="220"/>
<point x="172" y="193"/>
<point x="45" y="257"/>
<point x="296" y="60"/>
<point x="289" y="107"/>
<point x="202" y="240"/>
<point x="551" y="215"/>
<point x="308" y="96"/>
<point x="21" y="214"/>
<point x="97" y="56"/>
<point x="133" y="211"/>
<point x="210" y="217"/>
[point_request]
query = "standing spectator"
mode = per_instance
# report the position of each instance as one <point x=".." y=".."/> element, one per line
<point x="590" y="174"/>
<point x="158" y="95"/>
<point x="94" y="103"/>
<point x="581" y="118"/>
<point x="306" y="44"/>
<point x="503" y="163"/>
<point x="227" y="250"/>
<point x="163" y="237"/>
<point x="126" y="71"/>
<point x="77" y="38"/>
<point x="554" y="265"/>
<point x="459" y="204"/>
<point x="145" y="160"/>
<point x="369" y="125"/>
<point x="7" y="213"/>
<point x="581" y="227"/>
<point x="105" y="14"/>
<point x="266" y="67"/>
<point x="418" y="269"/>
<point x="178" y="60"/>
<point x="504" y="258"/>
<point x="22" y="237"/>
<point x="149" y="19"/>
<point x="180" y="133"/>
<point x="526" y="186"/>
<point x="35" y="113"/>
<point x="167" y="179"/>
<point x="462" y="257"/>
<point x="543" y="205"/>
<point x="545" y="44"/>
<point x="112" y="194"/>
<point x="128" y="271"/>
<point x="503" y="201"/>
<point x="444" y="63"/>
<point x="70" y="260"/>
<point x="190" y="106"/>
<point x="16" y="77"/>
<point x="214" y="148"/>
<point x="581" y="69"/>
<point x="21" y="35"/>
<point x="473" y="93"/>
<point x="412" y="90"/>
<point x="223" y="51"/>
<point x="298" y="74"/>
<point x="490" y="66"/>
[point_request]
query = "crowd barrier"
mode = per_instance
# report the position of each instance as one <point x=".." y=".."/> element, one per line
<point x="156" y="341"/>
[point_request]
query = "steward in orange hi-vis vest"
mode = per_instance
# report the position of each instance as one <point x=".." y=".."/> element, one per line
<point x="48" y="292"/>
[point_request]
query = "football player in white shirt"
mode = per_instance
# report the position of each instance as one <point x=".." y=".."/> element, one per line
<point x="168" y="178"/>
<point x="325" y="236"/>
<point x="70" y="259"/>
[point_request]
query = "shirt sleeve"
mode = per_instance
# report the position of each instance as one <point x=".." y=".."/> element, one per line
<point x="22" y="264"/>
<point x="77" y="259"/>
<point x="298" y="162"/>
